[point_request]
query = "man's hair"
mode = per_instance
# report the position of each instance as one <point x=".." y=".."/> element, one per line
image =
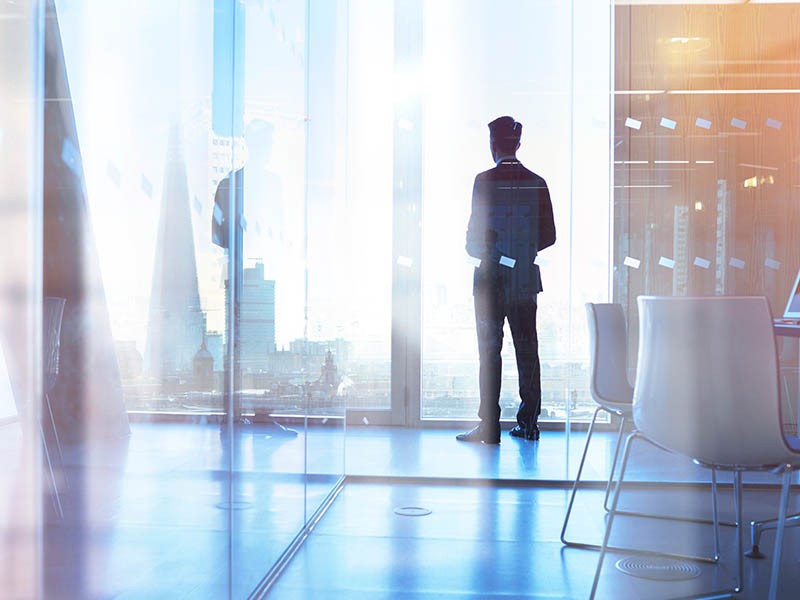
<point x="505" y="133"/>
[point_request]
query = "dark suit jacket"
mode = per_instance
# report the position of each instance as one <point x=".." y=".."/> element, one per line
<point x="512" y="217"/>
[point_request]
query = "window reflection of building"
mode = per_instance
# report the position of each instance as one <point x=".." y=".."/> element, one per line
<point x="256" y="319"/>
<point x="203" y="369"/>
<point x="176" y="324"/>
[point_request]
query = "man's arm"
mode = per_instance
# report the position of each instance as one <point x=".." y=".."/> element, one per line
<point x="476" y="228"/>
<point x="546" y="223"/>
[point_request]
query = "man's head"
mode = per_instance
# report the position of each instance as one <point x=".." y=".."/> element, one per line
<point x="504" y="136"/>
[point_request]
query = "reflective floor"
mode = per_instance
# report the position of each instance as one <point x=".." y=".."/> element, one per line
<point x="149" y="517"/>
<point x="434" y="453"/>
<point x="495" y="541"/>
<point x="158" y="514"/>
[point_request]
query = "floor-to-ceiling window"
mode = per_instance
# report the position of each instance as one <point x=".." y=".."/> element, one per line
<point x="464" y="64"/>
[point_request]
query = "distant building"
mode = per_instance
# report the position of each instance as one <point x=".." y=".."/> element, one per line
<point x="175" y="325"/>
<point x="320" y="348"/>
<point x="203" y="369"/>
<point x="256" y="320"/>
<point x="304" y="357"/>
<point x="216" y="348"/>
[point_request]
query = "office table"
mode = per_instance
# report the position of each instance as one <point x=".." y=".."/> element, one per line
<point x="784" y="328"/>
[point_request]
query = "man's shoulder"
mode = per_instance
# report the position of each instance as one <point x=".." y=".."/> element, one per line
<point x="515" y="169"/>
<point x="526" y="173"/>
<point x="485" y="175"/>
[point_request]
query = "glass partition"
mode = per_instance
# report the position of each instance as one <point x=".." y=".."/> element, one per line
<point x="28" y="484"/>
<point x="333" y="228"/>
<point x="206" y="190"/>
<point x="271" y="437"/>
<point x="142" y="398"/>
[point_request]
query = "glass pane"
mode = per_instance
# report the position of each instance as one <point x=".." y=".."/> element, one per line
<point x="590" y="213"/>
<point x="562" y="103"/>
<point x="26" y="484"/>
<point x="269" y="438"/>
<point x="354" y="306"/>
<point x="140" y="396"/>
<point x="331" y="363"/>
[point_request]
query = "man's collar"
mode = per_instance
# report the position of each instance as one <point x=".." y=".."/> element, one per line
<point x="507" y="158"/>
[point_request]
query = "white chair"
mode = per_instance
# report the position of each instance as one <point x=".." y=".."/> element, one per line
<point x="613" y="393"/>
<point x="707" y="387"/>
<point x="608" y="385"/>
<point x="52" y="314"/>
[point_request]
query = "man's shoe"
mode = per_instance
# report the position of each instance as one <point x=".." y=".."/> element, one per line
<point x="525" y="433"/>
<point x="481" y="434"/>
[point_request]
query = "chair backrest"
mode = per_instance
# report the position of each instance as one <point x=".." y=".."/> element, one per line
<point x="608" y="358"/>
<point x="52" y="313"/>
<point x="707" y="379"/>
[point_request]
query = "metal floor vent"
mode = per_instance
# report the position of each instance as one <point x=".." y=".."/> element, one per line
<point x="662" y="569"/>
<point x="234" y="505"/>
<point x="412" y="511"/>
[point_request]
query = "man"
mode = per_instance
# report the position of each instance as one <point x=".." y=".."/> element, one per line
<point x="511" y="221"/>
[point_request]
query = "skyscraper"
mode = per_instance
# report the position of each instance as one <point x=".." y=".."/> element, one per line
<point x="257" y="319"/>
<point x="175" y="326"/>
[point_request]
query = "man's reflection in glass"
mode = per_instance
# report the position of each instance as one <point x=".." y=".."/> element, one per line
<point x="511" y="221"/>
<point x="264" y="209"/>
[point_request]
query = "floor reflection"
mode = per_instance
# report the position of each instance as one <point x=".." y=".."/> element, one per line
<point x="163" y="512"/>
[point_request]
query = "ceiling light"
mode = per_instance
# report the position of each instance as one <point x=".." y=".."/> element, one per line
<point x="658" y="2"/>
<point x="641" y="186"/>
<point x="706" y="92"/>
<point x="755" y="181"/>
<point x="764" y="167"/>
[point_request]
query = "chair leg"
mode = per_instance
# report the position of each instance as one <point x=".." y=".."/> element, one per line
<point x="614" y="463"/>
<point x="714" y="513"/>
<point x="55" y="497"/>
<point x="611" y="513"/>
<point x="782" y="510"/>
<point x="589" y="546"/>
<point x="737" y="500"/>
<point x="53" y="428"/>
<point x="633" y="513"/>
<point x="759" y="527"/>
<point x="578" y="478"/>
<point x="58" y="459"/>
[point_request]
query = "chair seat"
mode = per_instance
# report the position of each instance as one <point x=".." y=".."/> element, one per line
<point x="711" y="363"/>
<point x="624" y="409"/>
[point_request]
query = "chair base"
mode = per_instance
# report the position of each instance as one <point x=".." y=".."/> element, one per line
<point x="755" y="552"/>
<point x="759" y="527"/>
<point x="586" y="545"/>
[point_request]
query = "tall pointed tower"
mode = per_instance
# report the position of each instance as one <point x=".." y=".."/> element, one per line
<point x="175" y="325"/>
<point x="87" y="399"/>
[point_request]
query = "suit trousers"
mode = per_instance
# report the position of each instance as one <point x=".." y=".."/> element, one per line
<point x="492" y="308"/>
